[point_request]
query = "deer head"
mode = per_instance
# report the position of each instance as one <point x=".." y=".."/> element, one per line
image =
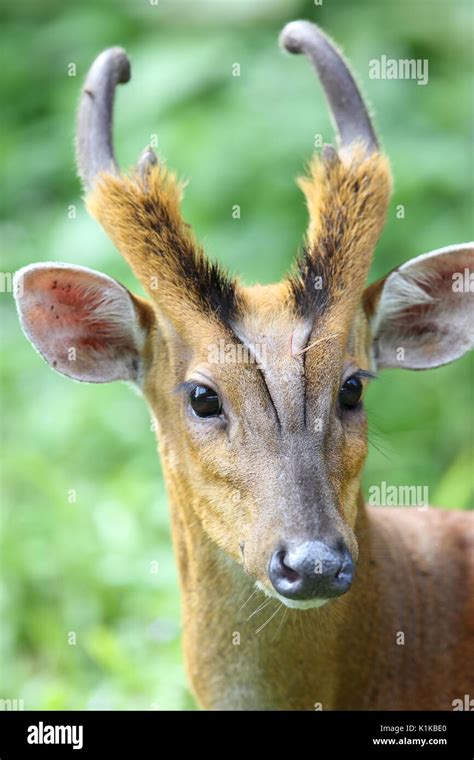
<point x="257" y="392"/>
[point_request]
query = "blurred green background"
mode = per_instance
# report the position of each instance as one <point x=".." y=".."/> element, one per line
<point x="86" y="566"/>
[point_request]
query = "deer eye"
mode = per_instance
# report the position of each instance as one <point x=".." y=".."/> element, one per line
<point x="351" y="392"/>
<point x="204" y="401"/>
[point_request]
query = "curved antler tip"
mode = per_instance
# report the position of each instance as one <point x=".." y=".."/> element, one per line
<point x="116" y="59"/>
<point x="94" y="147"/>
<point x="122" y="62"/>
<point x="294" y="35"/>
<point x="345" y="101"/>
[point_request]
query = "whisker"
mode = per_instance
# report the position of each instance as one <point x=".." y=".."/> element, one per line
<point x="270" y="618"/>
<point x="301" y="625"/>
<point x="385" y="452"/>
<point x="261" y="607"/>
<point x="248" y="600"/>
<point x="311" y="345"/>
<point x="280" y="624"/>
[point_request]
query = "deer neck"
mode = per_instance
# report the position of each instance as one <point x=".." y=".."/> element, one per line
<point x="242" y="649"/>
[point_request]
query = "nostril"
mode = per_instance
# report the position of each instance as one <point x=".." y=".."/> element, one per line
<point x="311" y="570"/>
<point x="289" y="573"/>
<point x="281" y="573"/>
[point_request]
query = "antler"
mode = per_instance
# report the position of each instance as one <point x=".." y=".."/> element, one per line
<point x="141" y="211"/>
<point x="94" y="145"/>
<point x="347" y="199"/>
<point x="345" y="101"/>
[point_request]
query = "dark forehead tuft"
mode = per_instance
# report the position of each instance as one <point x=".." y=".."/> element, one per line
<point x="309" y="286"/>
<point x="214" y="291"/>
<point x="347" y="202"/>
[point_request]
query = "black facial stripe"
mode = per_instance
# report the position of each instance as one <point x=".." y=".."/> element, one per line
<point x="270" y="397"/>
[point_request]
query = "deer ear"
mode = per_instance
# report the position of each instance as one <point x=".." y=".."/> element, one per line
<point x="84" y="324"/>
<point x="422" y="314"/>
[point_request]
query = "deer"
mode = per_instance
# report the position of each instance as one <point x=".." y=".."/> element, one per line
<point x="363" y="607"/>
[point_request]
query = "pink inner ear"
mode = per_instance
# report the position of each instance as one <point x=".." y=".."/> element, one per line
<point x="83" y="323"/>
<point x="422" y="312"/>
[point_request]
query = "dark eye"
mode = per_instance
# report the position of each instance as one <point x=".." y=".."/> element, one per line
<point x="351" y="392"/>
<point x="204" y="401"/>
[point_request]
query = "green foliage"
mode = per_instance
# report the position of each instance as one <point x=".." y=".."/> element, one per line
<point x="84" y="508"/>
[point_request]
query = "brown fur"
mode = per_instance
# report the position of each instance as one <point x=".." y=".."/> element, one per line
<point x="278" y="468"/>
<point x="142" y="217"/>
<point x="347" y="204"/>
<point x="274" y="476"/>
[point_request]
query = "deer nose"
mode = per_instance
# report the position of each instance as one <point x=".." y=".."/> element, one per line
<point x="312" y="570"/>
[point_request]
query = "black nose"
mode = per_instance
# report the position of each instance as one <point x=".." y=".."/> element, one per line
<point x="312" y="570"/>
